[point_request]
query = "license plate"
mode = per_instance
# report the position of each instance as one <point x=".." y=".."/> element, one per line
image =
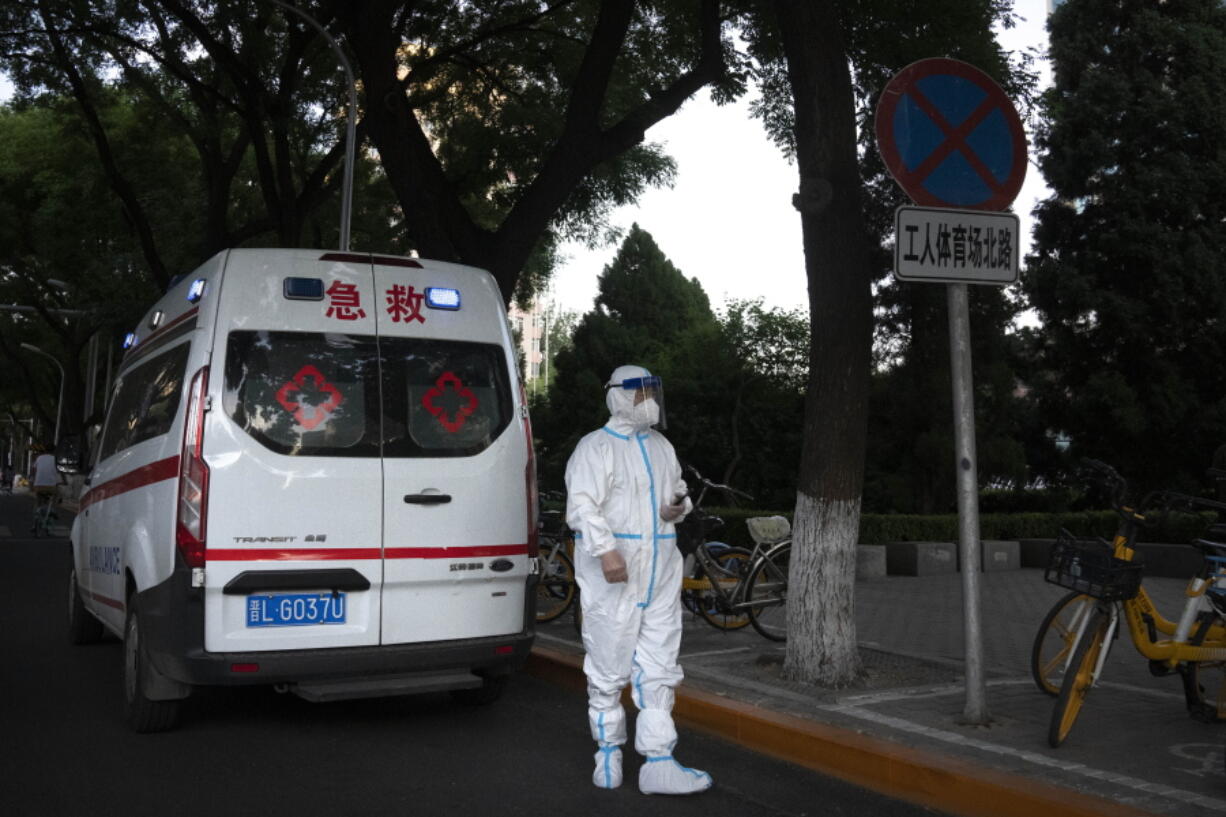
<point x="296" y="609"/>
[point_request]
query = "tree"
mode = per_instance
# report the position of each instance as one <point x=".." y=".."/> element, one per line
<point x="810" y="106"/>
<point x="643" y="308"/>
<point x="763" y="388"/>
<point x="503" y="126"/>
<point x="252" y="92"/>
<point x="733" y="385"/>
<point x="58" y="220"/>
<point x="1126" y="275"/>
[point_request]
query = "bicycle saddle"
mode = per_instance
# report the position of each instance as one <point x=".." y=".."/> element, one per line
<point x="767" y="530"/>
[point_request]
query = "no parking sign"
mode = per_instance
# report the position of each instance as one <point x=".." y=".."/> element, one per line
<point x="951" y="137"/>
<point x="954" y="142"/>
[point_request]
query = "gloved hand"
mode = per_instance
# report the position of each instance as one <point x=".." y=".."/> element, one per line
<point x="673" y="512"/>
<point x="614" y="566"/>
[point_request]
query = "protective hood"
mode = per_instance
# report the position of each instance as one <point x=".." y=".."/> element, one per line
<point x="635" y="399"/>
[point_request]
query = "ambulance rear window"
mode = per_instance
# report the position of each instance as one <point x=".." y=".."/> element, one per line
<point x="315" y="394"/>
<point x="443" y="398"/>
<point x="305" y="393"/>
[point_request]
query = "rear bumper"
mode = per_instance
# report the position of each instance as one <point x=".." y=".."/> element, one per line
<point x="172" y="623"/>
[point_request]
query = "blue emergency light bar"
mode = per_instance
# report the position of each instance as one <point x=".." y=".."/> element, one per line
<point x="443" y="298"/>
<point x="129" y="340"/>
<point x="304" y="289"/>
<point x="196" y="291"/>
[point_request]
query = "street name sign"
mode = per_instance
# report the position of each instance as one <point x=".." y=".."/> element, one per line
<point x="955" y="246"/>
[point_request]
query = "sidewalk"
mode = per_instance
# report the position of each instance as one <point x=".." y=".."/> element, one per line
<point x="1133" y="750"/>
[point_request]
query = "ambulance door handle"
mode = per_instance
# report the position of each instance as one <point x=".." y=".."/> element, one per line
<point x="427" y="499"/>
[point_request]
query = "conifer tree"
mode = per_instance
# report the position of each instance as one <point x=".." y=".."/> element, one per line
<point x="1127" y="273"/>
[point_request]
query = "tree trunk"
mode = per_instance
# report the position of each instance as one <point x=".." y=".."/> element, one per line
<point x="821" y="620"/>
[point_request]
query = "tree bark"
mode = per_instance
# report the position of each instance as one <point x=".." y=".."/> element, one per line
<point x="821" y="619"/>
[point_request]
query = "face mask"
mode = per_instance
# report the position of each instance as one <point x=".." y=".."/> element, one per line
<point x="646" y="413"/>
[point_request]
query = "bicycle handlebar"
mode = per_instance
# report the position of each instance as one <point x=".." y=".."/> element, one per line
<point x="1163" y="501"/>
<point x="706" y="483"/>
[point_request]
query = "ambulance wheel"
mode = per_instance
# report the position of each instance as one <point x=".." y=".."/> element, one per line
<point x="491" y="689"/>
<point x="83" y="628"/>
<point x="141" y="713"/>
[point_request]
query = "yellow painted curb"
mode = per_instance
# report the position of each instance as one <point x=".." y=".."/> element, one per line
<point x="924" y="777"/>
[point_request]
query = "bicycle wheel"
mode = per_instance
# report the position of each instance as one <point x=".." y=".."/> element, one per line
<point x="768" y="592"/>
<point x="1204" y="684"/>
<point x="42" y="521"/>
<point x="556" y="589"/>
<point x="1079" y="678"/>
<point x="732" y="563"/>
<point x="1054" y="641"/>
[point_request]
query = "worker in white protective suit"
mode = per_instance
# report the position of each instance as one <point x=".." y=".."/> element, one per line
<point x="624" y="493"/>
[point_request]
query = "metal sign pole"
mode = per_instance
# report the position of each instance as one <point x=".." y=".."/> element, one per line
<point x="976" y="711"/>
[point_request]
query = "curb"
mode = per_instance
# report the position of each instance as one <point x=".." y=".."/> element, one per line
<point x="922" y="777"/>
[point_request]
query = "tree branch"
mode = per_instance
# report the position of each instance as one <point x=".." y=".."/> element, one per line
<point x="119" y="183"/>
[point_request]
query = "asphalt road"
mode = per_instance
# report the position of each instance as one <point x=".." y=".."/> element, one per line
<point x="64" y="749"/>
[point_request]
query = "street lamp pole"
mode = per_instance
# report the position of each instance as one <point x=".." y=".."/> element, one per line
<point x="350" y="120"/>
<point x="59" y="404"/>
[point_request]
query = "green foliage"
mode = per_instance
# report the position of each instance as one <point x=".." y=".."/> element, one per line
<point x="1127" y="274"/>
<point x="644" y="305"/>
<point x="732" y="387"/>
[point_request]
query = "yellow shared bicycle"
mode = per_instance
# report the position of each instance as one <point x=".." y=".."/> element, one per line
<point x="1076" y="635"/>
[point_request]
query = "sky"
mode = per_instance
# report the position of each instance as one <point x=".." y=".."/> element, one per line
<point x="729" y="221"/>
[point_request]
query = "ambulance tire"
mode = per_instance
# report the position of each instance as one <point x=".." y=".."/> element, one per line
<point x="490" y="690"/>
<point x="142" y="714"/>
<point x="83" y="628"/>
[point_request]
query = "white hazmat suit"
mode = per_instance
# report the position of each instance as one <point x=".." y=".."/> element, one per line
<point x="624" y="492"/>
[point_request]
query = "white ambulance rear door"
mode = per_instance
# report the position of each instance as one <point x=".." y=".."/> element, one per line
<point x="454" y="457"/>
<point x="292" y="442"/>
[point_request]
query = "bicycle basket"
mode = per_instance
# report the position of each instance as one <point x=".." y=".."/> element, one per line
<point x="694" y="529"/>
<point x="1088" y="566"/>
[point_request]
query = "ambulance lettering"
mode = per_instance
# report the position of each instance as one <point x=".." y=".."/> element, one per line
<point x="404" y="304"/>
<point x="344" y="302"/>
<point x="104" y="560"/>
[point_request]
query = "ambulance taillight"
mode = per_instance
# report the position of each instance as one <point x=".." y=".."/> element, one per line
<point x="193" y="476"/>
<point x="530" y="478"/>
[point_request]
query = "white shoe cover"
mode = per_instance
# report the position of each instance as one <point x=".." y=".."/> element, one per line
<point x="608" y="773"/>
<point x="663" y="775"/>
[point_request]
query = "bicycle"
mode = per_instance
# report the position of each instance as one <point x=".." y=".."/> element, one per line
<point x="1075" y="637"/>
<point x="44" y="513"/>
<point x="556" y="588"/>
<point x="731" y="587"/>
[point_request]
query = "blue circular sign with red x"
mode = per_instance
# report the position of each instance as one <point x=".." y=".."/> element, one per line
<point x="951" y="137"/>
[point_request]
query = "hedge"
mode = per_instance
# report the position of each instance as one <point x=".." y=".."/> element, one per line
<point x="878" y="528"/>
<point x="883" y="528"/>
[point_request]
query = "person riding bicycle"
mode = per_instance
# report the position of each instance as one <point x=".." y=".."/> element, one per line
<point x="624" y="494"/>
<point x="44" y="478"/>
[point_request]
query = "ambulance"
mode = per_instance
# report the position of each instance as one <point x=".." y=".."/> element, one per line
<point x="315" y="472"/>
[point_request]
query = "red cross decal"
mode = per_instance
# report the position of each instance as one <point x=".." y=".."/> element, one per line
<point x="318" y="413"/>
<point x="466" y="400"/>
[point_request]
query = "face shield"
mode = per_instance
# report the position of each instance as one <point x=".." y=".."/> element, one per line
<point x="644" y="400"/>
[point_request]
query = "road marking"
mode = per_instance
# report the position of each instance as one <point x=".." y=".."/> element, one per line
<point x="958" y="688"/>
<point x="1031" y="757"/>
<point x="715" y="652"/>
